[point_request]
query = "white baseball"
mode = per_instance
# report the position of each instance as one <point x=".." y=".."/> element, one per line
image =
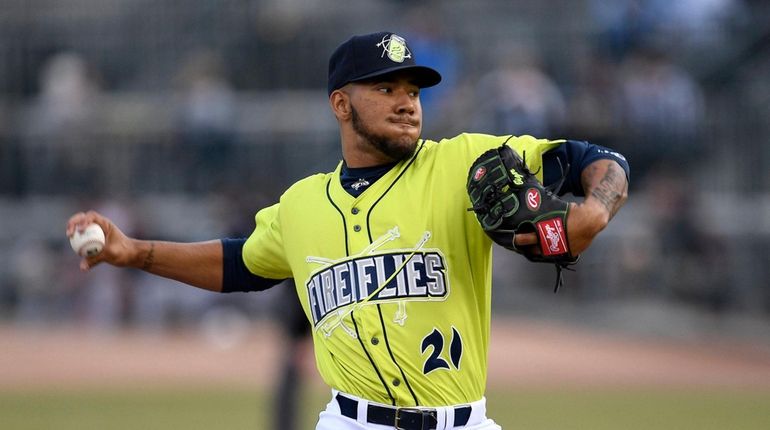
<point x="88" y="242"/>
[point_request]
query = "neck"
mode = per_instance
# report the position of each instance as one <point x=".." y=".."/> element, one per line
<point x="356" y="162"/>
<point x="347" y="168"/>
<point x="357" y="153"/>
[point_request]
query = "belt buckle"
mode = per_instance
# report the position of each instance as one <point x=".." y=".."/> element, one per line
<point x="421" y="412"/>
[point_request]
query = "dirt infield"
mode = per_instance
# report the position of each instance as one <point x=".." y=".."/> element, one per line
<point x="541" y="354"/>
<point x="523" y="353"/>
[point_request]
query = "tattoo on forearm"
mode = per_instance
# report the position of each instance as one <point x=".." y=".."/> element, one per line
<point x="150" y="258"/>
<point x="610" y="189"/>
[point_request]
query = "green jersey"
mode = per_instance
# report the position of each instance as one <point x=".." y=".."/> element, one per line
<point x="396" y="282"/>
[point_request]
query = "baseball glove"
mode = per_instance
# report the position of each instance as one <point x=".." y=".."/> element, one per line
<point x="508" y="199"/>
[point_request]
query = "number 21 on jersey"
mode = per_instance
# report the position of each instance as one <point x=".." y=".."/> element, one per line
<point x="436" y="360"/>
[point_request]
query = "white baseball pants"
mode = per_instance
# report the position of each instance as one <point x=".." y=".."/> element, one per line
<point x="348" y="412"/>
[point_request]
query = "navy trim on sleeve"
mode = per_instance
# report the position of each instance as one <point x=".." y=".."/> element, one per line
<point x="578" y="155"/>
<point x="235" y="275"/>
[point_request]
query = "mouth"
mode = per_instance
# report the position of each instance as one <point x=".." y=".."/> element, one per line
<point x="408" y="122"/>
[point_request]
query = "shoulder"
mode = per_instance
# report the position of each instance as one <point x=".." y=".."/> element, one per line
<point x="473" y="144"/>
<point x="469" y="139"/>
<point x="307" y="186"/>
<point x="459" y="152"/>
<point x="465" y="143"/>
<point x="302" y="193"/>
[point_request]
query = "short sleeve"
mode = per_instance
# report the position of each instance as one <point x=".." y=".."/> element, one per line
<point x="263" y="252"/>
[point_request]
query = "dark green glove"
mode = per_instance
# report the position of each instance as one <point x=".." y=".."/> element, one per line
<point x="508" y="199"/>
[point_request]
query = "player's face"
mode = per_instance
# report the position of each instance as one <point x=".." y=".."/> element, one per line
<point x="386" y="114"/>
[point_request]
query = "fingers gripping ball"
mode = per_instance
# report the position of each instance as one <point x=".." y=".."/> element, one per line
<point x="508" y="199"/>
<point x="88" y="242"/>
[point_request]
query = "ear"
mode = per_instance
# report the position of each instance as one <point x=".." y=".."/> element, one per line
<point x="339" y="101"/>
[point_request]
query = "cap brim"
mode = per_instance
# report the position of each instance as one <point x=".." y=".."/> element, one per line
<point x="424" y="76"/>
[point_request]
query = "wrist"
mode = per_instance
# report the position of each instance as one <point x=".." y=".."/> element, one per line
<point x="587" y="219"/>
<point x="144" y="254"/>
<point x="595" y="214"/>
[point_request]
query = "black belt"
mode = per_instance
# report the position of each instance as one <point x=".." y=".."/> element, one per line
<point x="400" y="418"/>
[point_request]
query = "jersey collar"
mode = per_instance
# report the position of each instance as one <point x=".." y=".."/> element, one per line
<point x="375" y="189"/>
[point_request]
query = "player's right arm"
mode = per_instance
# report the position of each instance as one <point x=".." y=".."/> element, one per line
<point x="215" y="265"/>
<point x="199" y="264"/>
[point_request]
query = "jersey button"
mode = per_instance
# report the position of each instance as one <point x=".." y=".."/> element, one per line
<point x="396" y="382"/>
<point x="356" y="227"/>
<point x="375" y="341"/>
<point x="354" y="211"/>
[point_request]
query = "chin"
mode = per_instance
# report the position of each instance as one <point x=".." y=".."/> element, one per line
<point x="403" y="149"/>
<point x="407" y="137"/>
<point x="396" y="149"/>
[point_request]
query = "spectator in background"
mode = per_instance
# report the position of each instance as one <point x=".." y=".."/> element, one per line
<point x="67" y="93"/>
<point x="593" y="83"/>
<point x="692" y="265"/>
<point x="63" y="115"/>
<point x="518" y="97"/>
<point x="702" y="28"/>
<point x="661" y="109"/>
<point x="206" y="120"/>
<point x="661" y="113"/>
<point x="621" y="24"/>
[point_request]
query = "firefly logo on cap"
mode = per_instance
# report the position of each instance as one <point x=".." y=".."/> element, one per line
<point x="395" y="47"/>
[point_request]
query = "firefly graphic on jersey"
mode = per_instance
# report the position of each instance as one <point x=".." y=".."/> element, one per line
<point x="371" y="277"/>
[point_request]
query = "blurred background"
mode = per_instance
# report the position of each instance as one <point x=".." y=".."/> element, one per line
<point x="181" y="119"/>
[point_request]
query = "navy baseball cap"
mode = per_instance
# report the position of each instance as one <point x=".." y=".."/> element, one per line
<point x="366" y="56"/>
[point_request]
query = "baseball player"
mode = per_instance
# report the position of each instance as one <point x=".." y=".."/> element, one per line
<point x="392" y="269"/>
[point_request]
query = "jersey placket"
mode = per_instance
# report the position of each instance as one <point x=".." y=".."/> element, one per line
<point x="368" y="319"/>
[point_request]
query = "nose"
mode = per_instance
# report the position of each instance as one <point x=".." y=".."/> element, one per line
<point x="405" y="102"/>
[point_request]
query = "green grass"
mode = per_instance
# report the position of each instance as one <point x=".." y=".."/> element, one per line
<point x="219" y="408"/>
<point x="156" y="409"/>
<point x="631" y="409"/>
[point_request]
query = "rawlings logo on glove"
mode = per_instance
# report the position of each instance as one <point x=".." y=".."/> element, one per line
<point x="497" y="182"/>
<point x="555" y="238"/>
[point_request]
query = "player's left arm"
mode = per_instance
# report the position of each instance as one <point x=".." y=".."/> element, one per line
<point x="594" y="172"/>
<point x="606" y="189"/>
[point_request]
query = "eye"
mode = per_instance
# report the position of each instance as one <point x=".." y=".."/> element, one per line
<point x="384" y="90"/>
